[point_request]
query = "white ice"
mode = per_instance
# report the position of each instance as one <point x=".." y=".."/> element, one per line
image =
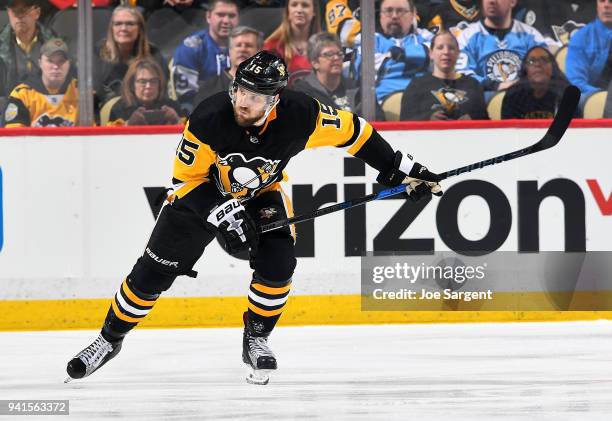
<point x="512" y="371"/>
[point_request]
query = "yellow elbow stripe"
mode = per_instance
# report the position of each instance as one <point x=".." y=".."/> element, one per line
<point x="362" y="139"/>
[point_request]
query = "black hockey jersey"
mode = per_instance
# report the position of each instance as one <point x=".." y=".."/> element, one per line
<point x="217" y="157"/>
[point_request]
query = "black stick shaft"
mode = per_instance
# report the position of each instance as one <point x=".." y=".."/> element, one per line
<point x="553" y="135"/>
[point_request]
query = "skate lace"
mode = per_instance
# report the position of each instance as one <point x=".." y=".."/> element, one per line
<point x="259" y="346"/>
<point x="94" y="353"/>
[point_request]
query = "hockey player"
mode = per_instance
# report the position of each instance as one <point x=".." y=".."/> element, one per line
<point x="227" y="170"/>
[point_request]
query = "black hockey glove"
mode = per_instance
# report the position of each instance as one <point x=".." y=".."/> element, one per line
<point x="421" y="181"/>
<point x="235" y="226"/>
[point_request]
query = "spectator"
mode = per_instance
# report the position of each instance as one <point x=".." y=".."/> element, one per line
<point x="126" y="40"/>
<point x="244" y="42"/>
<point x="290" y="39"/>
<point x="20" y="43"/>
<point x="450" y="15"/>
<point x="49" y="98"/>
<point x="492" y="50"/>
<point x="143" y="98"/>
<point x="443" y="94"/>
<point x="589" y="55"/>
<point x="539" y="89"/>
<point x="204" y="54"/>
<point x="400" y="50"/>
<point x="326" y="83"/>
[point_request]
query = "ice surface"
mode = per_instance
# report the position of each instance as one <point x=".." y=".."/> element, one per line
<point x="528" y="371"/>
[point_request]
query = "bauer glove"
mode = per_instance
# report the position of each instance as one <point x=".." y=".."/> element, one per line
<point x="420" y="180"/>
<point x="236" y="227"/>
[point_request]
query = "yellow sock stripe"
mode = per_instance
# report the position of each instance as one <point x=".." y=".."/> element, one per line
<point x="122" y="316"/>
<point x="265" y="313"/>
<point x="270" y="290"/>
<point x="134" y="297"/>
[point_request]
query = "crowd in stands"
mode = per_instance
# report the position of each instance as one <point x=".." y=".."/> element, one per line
<point x="156" y="60"/>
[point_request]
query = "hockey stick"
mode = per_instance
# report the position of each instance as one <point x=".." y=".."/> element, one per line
<point x="553" y="135"/>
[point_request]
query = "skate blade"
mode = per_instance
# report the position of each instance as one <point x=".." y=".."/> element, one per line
<point x="68" y="379"/>
<point x="260" y="377"/>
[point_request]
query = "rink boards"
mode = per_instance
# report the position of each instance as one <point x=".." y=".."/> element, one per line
<point x="76" y="211"/>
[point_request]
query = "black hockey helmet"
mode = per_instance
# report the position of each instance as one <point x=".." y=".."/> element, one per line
<point x="263" y="73"/>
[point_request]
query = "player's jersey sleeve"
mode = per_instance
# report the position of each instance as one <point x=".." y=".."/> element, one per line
<point x="16" y="113"/>
<point x="191" y="163"/>
<point x="352" y="133"/>
<point x="338" y="128"/>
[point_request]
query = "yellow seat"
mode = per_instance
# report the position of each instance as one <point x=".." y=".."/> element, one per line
<point x="595" y="104"/>
<point x="106" y="109"/>
<point x="392" y="106"/>
<point x="560" y="57"/>
<point x="494" y="106"/>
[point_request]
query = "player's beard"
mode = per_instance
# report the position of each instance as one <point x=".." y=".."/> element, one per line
<point x="246" y="121"/>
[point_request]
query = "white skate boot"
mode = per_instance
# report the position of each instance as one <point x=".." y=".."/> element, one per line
<point x="92" y="358"/>
<point x="258" y="357"/>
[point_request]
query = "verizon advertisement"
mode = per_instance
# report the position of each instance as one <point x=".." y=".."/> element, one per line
<point x="76" y="212"/>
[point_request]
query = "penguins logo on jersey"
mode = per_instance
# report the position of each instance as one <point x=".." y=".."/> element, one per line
<point x="565" y="32"/>
<point x="503" y="66"/>
<point x="48" y="121"/>
<point x="242" y="177"/>
<point x="450" y="98"/>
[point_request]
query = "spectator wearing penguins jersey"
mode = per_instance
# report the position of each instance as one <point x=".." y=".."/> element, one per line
<point x="493" y="49"/>
<point x="400" y="51"/>
<point x="539" y="90"/>
<point x="589" y="55"/>
<point x="443" y="94"/>
<point x="49" y="98"/>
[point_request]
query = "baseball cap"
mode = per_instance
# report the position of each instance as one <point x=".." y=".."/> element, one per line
<point x="54" y="45"/>
<point x="26" y="3"/>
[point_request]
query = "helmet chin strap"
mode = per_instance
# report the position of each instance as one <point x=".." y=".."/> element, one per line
<point x="262" y="120"/>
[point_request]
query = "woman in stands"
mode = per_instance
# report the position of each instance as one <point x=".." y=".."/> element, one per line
<point x="538" y="92"/>
<point x="143" y="98"/>
<point x="290" y="40"/>
<point x="126" y="40"/>
<point x="443" y="94"/>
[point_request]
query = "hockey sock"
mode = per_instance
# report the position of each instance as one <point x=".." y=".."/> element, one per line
<point x="129" y="306"/>
<point x="266" y="302"/>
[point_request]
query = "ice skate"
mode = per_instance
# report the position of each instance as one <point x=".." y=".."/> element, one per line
<point x="92" y="358"/>
<point x="258" y="357"/>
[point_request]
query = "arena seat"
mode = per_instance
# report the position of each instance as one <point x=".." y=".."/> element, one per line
<point x="560" y="57"/>
<point x="392" y="106"/>
<point x="167" y="29"/>
<point x="105" y="110"/>
<point x="595" y="104"/>
<point x="65" y="25"/>
<point x="264" y="19"/>
<point x="494" y="106"/>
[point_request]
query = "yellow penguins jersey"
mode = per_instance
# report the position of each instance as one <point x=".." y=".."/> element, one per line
<point x="30" y="104"/>
<point x="216" y="157"/>
<point x="340" y="21"/>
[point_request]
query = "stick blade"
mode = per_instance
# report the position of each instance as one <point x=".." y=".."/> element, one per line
<point x="565" y="113"/>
